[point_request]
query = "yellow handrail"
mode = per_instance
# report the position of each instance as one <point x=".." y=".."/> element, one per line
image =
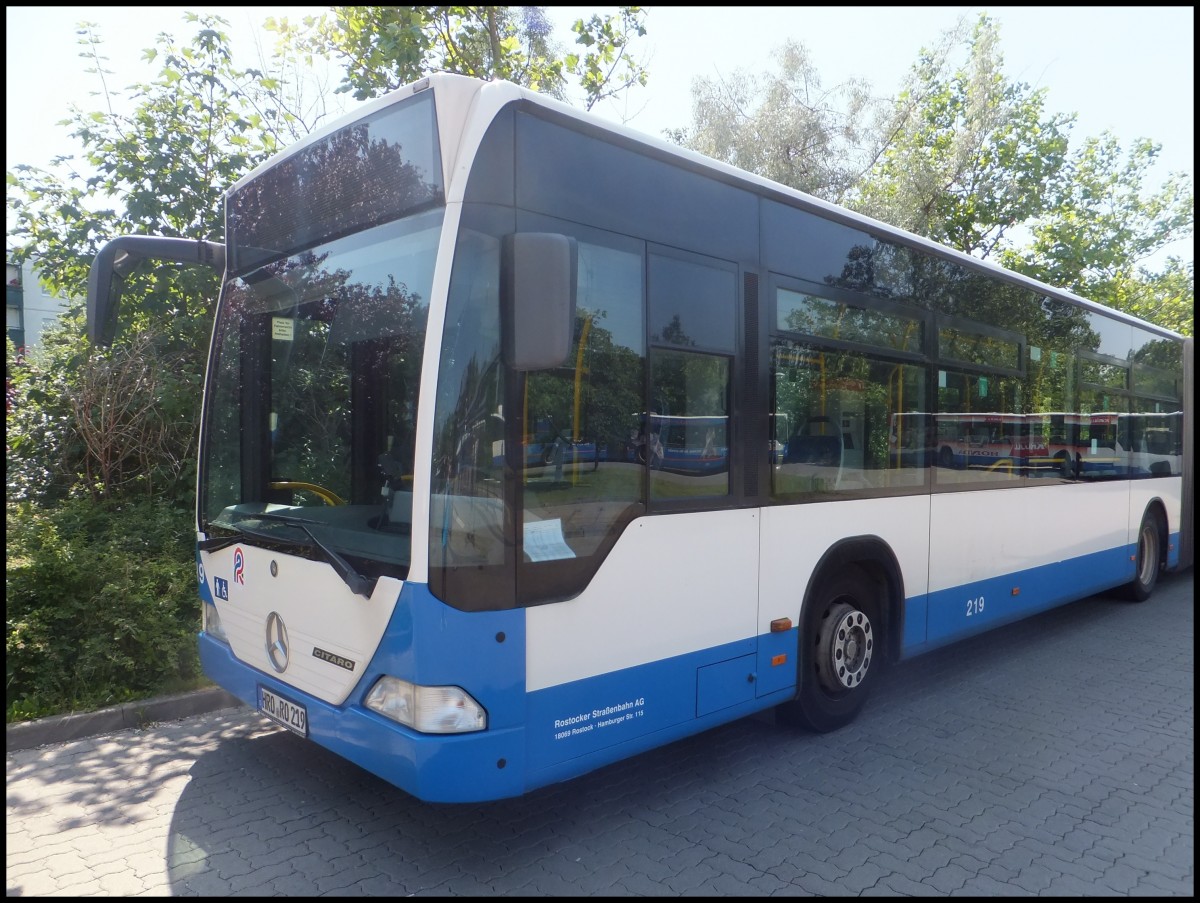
<point x="329" y="497"/>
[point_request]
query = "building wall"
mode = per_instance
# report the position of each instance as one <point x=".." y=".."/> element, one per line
<point x="29" y="308"/>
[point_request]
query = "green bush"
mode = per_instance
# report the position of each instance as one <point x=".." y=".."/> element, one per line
<point x="101" y="604"/>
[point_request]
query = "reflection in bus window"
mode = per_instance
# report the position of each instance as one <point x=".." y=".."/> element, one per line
<point x="685" y="441"/>
<point x="979" y="430"/>
<point x="840" y="409"/>
<point x="1155" y="441"/>
<point x="575" y="482"/>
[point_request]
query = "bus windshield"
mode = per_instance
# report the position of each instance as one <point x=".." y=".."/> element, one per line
<point x="316" y="361"/>
<point x="313" y="393"/>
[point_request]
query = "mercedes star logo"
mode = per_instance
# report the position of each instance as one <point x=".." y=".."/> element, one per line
<point x="277" y="642"/>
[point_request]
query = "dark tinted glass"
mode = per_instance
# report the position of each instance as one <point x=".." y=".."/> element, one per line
<point x="687" y="431"/>
<point x="368" y="173"/>
<point x="808" y="314"/>
<point x="575" y="176"/>
<point x="692" y="305"/>
<point x="845" y="423"/>
<point x="973" y="348"/>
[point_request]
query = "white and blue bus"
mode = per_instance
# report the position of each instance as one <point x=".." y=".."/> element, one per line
<point x="407" y="295"/>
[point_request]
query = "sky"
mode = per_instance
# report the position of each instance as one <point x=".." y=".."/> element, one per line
<point x="1128" y="70"/>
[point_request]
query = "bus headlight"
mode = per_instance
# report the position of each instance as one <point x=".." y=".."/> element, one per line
<point x="212" y="623"/>
<point x="430" y="710"/>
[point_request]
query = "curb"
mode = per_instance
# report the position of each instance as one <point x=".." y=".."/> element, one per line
<point x="61" y="728"/>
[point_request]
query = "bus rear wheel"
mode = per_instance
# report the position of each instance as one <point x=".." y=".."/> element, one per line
<point x="1063" y="461"/>
<point x="841" y="653"/>
<point x="1149" y="559"/>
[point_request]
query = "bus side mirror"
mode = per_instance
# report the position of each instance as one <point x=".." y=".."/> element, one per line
<point x="538" y="315"/>
<point x="116" y="259"/>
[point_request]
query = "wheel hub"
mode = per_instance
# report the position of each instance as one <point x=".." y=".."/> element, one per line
<point x="846" y="653"/>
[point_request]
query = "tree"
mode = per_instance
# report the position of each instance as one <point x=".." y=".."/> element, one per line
<point x="159" y="169"/>
<point x="970" y="159"/>
<point x="785" y="125"/>
<point x="1101" y="226"/>
<point x="1166" y="297"/>
<point x="975" y="162"/>
<point x="384" y="47"/>
<point x="968" y="155"/>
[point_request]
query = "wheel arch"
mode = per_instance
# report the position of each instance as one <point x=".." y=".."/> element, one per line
<point x="1158" y="508"/>
<point x="875" y="558"/>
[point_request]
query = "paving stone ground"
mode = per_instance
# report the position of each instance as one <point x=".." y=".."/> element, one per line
<point x="1049" y="758"/>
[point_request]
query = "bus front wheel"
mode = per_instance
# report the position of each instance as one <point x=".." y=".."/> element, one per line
<point x="1149" y="559"/>
<point x="841" y="653"/>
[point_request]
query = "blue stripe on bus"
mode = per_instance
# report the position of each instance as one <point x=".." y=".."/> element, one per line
<point x="437" y="768"/>
<point x="432" y="644"/>
<point x="580" y="726"/>
<point x="972" y="608"/>
<point x="560" y="732"/>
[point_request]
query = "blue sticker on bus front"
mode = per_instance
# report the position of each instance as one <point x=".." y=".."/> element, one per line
<point x="222" y="588"/>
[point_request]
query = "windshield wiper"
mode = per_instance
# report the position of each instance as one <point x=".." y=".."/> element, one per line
<point x="213" y="543"/>
<point x="358" y="584"/>
<point x="219" y="542"/>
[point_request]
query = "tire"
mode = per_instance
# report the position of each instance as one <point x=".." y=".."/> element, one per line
<point x="842" y="651"/>
<point x="1149" y="559"/>
<point x="946" y="458"/>
<point x="1063" y="461"/>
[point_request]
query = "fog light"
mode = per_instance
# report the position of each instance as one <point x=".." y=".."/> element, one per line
<point x="212" y="623"/>
<point x="430" y="710"/>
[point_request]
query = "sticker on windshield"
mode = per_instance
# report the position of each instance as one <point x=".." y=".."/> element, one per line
<point x="283" y="329"/>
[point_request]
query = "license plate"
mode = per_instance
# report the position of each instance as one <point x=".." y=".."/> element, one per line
<point x="282" y="711"/>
